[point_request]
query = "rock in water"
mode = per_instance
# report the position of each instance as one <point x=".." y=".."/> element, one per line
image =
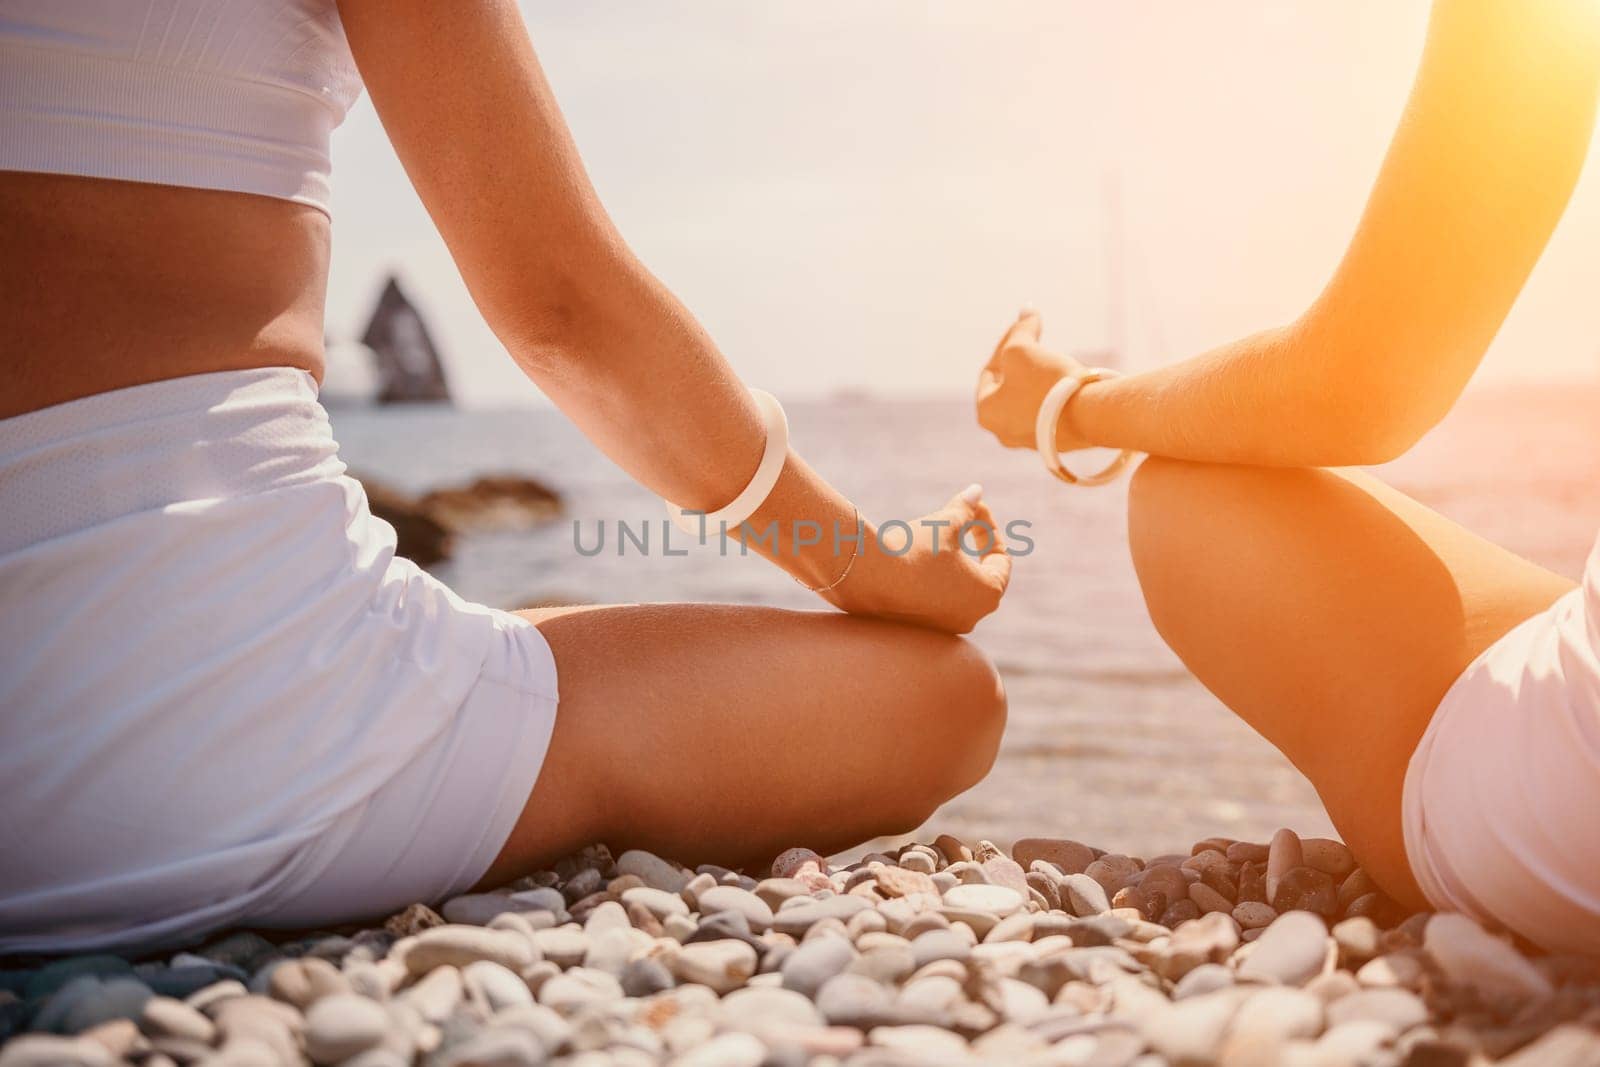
<point x="500" y="503"/>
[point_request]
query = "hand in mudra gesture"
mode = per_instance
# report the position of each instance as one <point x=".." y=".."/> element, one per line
<point x="1014" y="381"/>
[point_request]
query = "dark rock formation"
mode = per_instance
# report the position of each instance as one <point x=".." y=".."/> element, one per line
<point x="425" y="525"/>
<point x="409" y="371"/>
<point x="499" y="502"/>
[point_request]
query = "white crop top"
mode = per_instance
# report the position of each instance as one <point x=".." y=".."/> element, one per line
<point x="239" y="95"/>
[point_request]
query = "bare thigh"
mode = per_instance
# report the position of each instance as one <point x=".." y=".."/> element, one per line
<point x="1331" y="613"/>
<point x="726" y="734"/>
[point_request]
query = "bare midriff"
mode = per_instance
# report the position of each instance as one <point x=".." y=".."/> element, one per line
<point x="108" y="284"/>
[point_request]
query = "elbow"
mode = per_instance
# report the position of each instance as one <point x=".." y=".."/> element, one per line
<point x="544" y="322"/>
<point x="1369" y="400"/>
<point x="549" y="311"/>
<point x="1375" y="446"/>
<point x="1377" y="422"/>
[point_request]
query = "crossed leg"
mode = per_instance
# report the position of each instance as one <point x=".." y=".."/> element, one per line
<point x="1331" y="613"/>
<point x="726" y="734"/>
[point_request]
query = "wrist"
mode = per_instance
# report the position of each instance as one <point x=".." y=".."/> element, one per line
<point x="860" y="589"/>
<point x="828" y="564"/>
<point x="1074" y="426"/>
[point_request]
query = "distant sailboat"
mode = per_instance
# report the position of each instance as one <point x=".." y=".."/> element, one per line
<point x="1115" y="354"/>
<point x="407" y="363"/>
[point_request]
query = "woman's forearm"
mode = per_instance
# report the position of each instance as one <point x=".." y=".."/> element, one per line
<point x="644" y="381"/>
<point x="1270" y="399"/>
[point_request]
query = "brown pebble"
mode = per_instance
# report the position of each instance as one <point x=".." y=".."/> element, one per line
<point x="1358" y="884"/>
<point x="581" y="910"/>
<point x="1154" y="904"/>
<point x="1044" y="885"/>
<point x="1252" y="882"/>
<point x="1209" y="900"/>
<point x="1283" y="855"/>
<point x="1002" y="870"/>
<point x="790" y="862"/>
<point x="1070" y="857"/>
<point x="900" y="882"/>
<point x="1178" y="913"/>
<point x="1306" y="889"/>
<point x="1128" y="897"/>
<point x="1202" y="861"/>
<point x="1218" y="879"/>
<point x="1160" y="888"/>
<point x="1113" y="871"/>
<point x="642" y="919"/>
<point x="1253" y="914"/>
<point x="952" y="849"/>
<point x="1246" y="852"/>
<point x="621" y="884"/>
<point x="1331" y="857"/>
<point x="1212" y="844"/>
<point x="1377" y="907"/>
<point x="414" y="920"/>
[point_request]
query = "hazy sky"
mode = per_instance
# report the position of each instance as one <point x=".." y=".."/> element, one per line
<point x="860" y="194"/>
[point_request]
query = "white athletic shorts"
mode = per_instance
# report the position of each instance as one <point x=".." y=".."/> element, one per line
<point x="1501" y="807"/>
<point x="223" y="699"/>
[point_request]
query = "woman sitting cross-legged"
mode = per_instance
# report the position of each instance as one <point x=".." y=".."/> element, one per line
<point x="223" y="699"/>
<point x="1442" y="694"/>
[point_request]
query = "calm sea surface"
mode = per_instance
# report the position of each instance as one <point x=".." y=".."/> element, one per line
<point x="1109" y="741"/>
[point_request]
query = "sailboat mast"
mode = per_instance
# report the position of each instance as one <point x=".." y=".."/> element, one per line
<point x="1116" y="297"/>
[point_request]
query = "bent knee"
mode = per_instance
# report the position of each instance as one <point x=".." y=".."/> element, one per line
<point x="1165" y="504"/>
<point x="1190" y="520"/>
<point x="1163" y="511"/>
<point x="981" y="707"/>
<point x="964" y="715"/>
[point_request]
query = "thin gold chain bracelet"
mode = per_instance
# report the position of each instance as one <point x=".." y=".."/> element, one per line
<point x="855" y="551"/>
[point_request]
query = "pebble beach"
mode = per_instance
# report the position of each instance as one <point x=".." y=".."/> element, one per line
<point x="1056" y="954"/>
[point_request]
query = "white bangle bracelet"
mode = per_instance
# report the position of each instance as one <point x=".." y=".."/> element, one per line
<point x="755" y="494"/>
<point x="1044" y="430"/>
